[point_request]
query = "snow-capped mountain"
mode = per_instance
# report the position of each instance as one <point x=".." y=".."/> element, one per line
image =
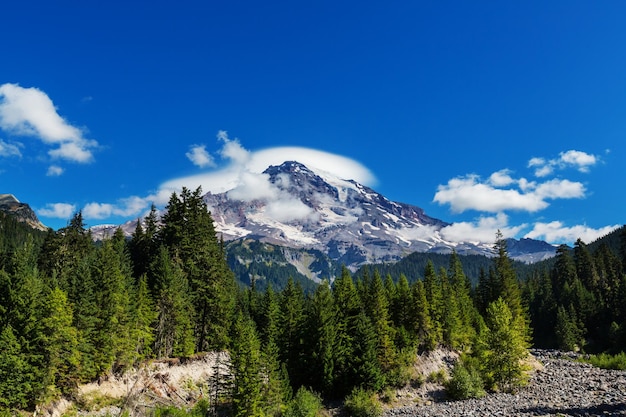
<point x="298" y="207"/>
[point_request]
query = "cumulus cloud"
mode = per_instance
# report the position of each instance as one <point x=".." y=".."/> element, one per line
<point x="578" y="160"/>
<point x="501" y="192"/>
<point x="556" y="232"/>
<point x="482" y="230"/>
<point x="57" y="210"/>
<point x="126" y="207"/>
<point x="470" y="193"/>
<point x="30" y="112"/>
<point x="200" y="157"/>
<point x="54" y="171"/>
<point x="9" y="149"/>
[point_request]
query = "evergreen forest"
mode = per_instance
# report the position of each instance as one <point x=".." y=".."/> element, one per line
<point x="72" y="311"/>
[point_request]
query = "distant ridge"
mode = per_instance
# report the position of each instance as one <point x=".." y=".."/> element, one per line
<point x="10" y="205"/>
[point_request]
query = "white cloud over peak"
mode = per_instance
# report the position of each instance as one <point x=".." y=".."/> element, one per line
<point x="241" y="176"/>
<point x="556" y="232"/>
<point x="243" y="168"/>
<point x="578" y="160"/>
<point x="30" y="112"/>
<point x="57" y="210"/>
<point x="200" y="157"/>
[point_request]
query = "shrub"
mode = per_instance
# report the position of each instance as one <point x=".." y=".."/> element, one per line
<point x="465" y="383"/>
<point x="362" y="403"/>
<point x="304" y="404"/>
<point x="607" y="361"/>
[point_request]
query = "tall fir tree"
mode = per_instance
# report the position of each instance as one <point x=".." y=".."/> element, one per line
<point x="188" y="232"/>
<point x="246" y="369"/>
<point x="174" y="328"/>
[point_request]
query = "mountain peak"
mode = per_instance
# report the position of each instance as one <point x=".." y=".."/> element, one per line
<point x="11" y="205"/>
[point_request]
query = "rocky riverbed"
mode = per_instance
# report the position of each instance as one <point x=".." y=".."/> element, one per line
<point x="562" y="387"/>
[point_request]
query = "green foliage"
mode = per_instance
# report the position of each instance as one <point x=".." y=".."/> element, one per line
<point x="607" y="361"/>
<point x="502" y="349"/>
<point x="305" y="404"/>
<point x="246" y="369"/>
<point x="465" y="382"/>
<point x="18" y="378"/>
<point x="362" y="403"/>
<point x="200" y="409"/>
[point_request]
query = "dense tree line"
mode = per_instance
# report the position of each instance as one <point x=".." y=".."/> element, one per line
<point x="72" y="311"/>
<point x="580" y="302"/>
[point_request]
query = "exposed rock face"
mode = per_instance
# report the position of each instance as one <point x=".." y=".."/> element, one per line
<point x="350" y="222"/>
<point x="12" y="206"/>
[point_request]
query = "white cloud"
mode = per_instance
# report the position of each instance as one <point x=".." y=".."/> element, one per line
<point x="242" y="165"/>
<point x="126" y="207"/>
<point x="54" y="171"/>
<point x="556" y="232"/>
<point x="501" y="178"/>
<point x="469" y="193"/>
<point x="501" y="192"/>
<point x="288" y="209"/>
<point x="253" y="186"/>
<point x="556" y="188"/>
<point x="58" y="210"/>
<point x="199" y="156"/>
<point x="578" y="160"/>
<point x="482" y="230"/>
<point x="30" y="112"/>
<point x="9" y="149"/>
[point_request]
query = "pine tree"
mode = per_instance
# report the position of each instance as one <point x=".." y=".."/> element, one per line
<point x="322" y="339"/>
<point x="189" y="234"/>
<point x="568" y="330"/>
<point x="291" y="336"/>
<point x="143" y="245"/>
<point x="365" y="367"/>
<point x="378" y="312"/>
<point x="143" y="319"/>
<point x="246" y="369"/>
<point x="269" y="319"/>
<point x="504" y="348"/>
<point x="434" y="298"/>
<point x="422" y="324"/>
<point x="348" y="308"/>
<point x="174" y="329"/>
<point x="19" y="380"/>
<point x="276" y="391"/>
<point x="461" y="288"/>
<point x="59" y="338"/>
<point x="509" y="288"/>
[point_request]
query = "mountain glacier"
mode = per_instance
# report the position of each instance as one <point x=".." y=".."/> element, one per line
<point x="295" y="206"/>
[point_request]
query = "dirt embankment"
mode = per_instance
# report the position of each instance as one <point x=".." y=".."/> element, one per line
<point x="559" y="386"/>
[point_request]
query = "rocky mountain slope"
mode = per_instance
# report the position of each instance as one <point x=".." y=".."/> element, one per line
<point x="348" y="221"/>
<point x="21" y="211"/>
<point x="312" y="222"/>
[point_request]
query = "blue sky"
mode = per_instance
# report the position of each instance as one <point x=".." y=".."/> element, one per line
<point x="491" y="115"/>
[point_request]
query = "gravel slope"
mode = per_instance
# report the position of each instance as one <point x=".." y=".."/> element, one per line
<point x="563" y="387"/>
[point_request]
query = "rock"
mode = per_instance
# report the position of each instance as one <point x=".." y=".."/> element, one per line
<point x="562" y="387"/>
